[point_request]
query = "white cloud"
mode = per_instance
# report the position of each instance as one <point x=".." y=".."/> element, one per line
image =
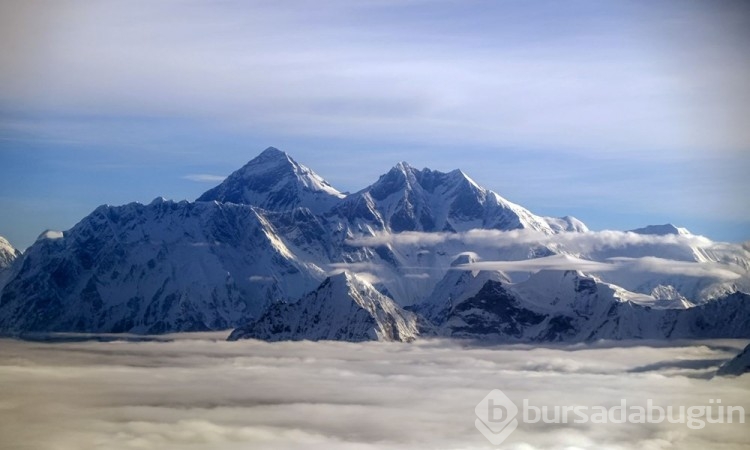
<point x="649" y="265"/>
<point x="205" y="178"/>
<point x="556" y="262"/>
<point x="365" y="270"/>
<point x="579" y="242"/>
<point x="51" y="234"/>
<point x="353" y="266"/>
<point x="378" y="68"/>
<point x="418" y="276"/>
<point x="685" y="268"/>
<point x="259" y="279"/>
<point x="634" y="261"/>
<point x="202" y="393"/>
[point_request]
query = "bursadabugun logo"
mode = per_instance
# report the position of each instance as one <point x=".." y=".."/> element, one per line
<point x="496" y="416"/>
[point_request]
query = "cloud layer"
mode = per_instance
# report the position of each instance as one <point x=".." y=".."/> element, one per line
<point x="598" y="252"/>
<point x="580" y="242"/>
<point x="649" y="265"/>
<point x="200" y="393"/>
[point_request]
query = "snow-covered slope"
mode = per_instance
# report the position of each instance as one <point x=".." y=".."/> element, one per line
<point x="456" y="286"/>
<point x="344" y="307"/>
<point x="669" y="267"/>
<point x="661" y="258"/>
<point x="662" y="230"/>
<point x="8" y="253"/>
<point x="570" y="306"/>
<point x="736" y="366"/>
<point x="154" y="268"/>
<point x="274" y="181"/>
<point x="551" y="305"/>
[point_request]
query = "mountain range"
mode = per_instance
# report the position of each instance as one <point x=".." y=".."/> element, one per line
<point x="278" y="253"/>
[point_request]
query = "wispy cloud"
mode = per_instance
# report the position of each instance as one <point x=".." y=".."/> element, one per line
<point x="354" y="266"/>
<point x="579" y="242"/>
<point x="548" y="76"/>
<point x="685" y="268"/>
<point x="646" y="265"/>
<point x="417" y="276"/>
<point x="599" y="252"/>
<point x="259" y="279"/>
<point x="370" y="272"/>
<point x="557" y="262"/>
<point x="205" y="178"/>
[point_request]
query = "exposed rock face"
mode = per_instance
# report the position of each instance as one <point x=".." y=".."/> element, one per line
<point x="736" y="366"/>
<point x="343" y="308"/>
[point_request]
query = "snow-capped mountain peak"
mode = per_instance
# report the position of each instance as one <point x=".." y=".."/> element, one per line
<point x="401" y="178"/>
<point x="273" y="153"/>
<point x="404" y="167"/>
<point x="662" y="230"/>
<point x="275" y="181"/>
<point x="464" y="258"/>
<point x="7" y="253"/>
<point x="456" y="286"/>
<point x="409" y="199"/>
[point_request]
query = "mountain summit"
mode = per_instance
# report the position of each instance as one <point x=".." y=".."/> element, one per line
<point x="403" y="199"/>
<point x="275" y="182"/>
<point x="409" y="199"/>
<point x="662" y="230"/>
<point x="7" y="253"/>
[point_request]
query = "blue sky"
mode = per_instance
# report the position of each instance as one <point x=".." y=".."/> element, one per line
<point x="620" y="113"/>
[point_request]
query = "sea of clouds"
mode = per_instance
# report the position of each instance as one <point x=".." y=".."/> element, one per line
<point x="199" y="392"/>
